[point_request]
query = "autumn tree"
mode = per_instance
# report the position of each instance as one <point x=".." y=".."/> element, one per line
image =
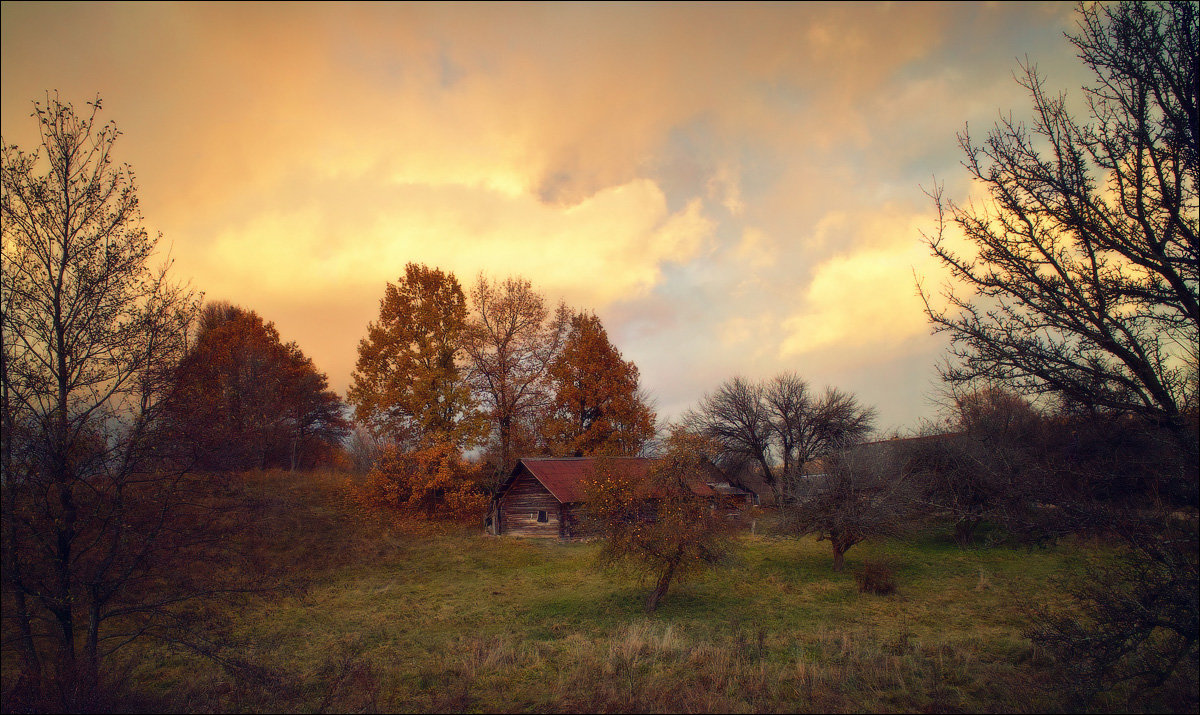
<point x="409" y="383"/>
<point x="861" y="492"/>
<point x="512" y="338"/>
<point x="316" y="414"/>
<point x="662" y="523"/>
<point x="91" y="334"/>
<point x="433" y="480"/>
<point x="778" y="426"/>
<point x="246" y="400"/>
<point x="596" y="403"/>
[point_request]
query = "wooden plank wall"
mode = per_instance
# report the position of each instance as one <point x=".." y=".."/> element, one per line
<point x="520" y="505"/>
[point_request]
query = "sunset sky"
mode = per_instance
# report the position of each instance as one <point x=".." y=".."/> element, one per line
<point x="734" y="189"/>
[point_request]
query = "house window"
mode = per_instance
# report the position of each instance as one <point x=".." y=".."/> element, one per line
<point x="542" y="517"/>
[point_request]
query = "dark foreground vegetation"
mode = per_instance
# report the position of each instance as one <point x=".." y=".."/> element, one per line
<point x="414" y="615"/>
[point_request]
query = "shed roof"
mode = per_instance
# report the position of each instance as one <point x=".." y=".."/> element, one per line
<point x="564" y="477"/>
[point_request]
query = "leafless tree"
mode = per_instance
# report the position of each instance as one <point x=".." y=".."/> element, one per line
<point x="1142" y="622"/>
<point x="91" y="336"/>
<point x="777" y="426"/>
<point x="511" y="339"/>
<point x="1086" y="268"/>
<point x="364" y="447"/>
<point x="992" y="464"/>
<point x="1084" y="284"/>
<point x="862" y="492"/>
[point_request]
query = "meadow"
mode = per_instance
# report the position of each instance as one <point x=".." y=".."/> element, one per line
<point x="411" y="615"/>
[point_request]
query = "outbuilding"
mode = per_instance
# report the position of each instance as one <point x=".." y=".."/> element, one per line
<point x="544" y="497"/>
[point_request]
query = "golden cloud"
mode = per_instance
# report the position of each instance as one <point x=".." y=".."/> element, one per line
<point x="867" y="296"/>
<point x="618" y="239"/>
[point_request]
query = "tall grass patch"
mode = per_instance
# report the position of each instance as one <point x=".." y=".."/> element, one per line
<point x="436" y="617"/>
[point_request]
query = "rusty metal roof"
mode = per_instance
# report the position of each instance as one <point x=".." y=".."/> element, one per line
<point x="564" y="477"/>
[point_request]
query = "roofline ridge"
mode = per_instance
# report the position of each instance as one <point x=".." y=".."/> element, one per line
<point x="573" y="459"/>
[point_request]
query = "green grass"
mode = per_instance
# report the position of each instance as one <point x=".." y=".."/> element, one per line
<point x="420" y="617"/>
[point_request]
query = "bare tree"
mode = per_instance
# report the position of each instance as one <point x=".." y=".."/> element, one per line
<point x="1142" y="624"/>
<point x="992" y="465"/>
<point x="1084" y="285"/>
<point x="777" y="426"/>
<point x="364" y="447"/>
<point x="511" y="341"/>
<point x="91" y="337"/>
<point x="861" y="493"/>
<point x="1087" y="265"/>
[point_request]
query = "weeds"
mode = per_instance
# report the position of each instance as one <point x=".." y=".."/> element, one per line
<point x="876" y="577"/>
<point x="437" y="617"/>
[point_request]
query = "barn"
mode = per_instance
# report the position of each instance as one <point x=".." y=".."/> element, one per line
<point x="544" y="497"/>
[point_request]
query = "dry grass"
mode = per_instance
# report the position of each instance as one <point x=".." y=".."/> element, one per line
<point x="439" y="617"/>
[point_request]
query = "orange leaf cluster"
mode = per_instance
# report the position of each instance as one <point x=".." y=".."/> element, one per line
<point x="244" y="399"/>
<point x="434" y="480"/>
<point x="409" y="382"/>
<point x="597" y="407"/>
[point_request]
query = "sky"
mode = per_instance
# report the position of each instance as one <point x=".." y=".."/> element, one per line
<point x="734" y="189"/>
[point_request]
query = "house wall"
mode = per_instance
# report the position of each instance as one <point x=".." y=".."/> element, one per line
<point x="519" y="507"/>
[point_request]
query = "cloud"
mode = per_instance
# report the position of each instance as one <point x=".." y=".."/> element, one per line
<point x="733" y="187"/>
<point x="619" y="239"/>
<point x="866" y="296"/>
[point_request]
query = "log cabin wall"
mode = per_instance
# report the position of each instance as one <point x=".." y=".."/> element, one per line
<point x="520" y="507"/>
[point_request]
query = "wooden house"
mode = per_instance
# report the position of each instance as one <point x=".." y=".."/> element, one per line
<point x="544" y="497"/>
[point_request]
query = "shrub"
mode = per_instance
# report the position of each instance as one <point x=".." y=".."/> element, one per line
<point x="876" y="577"/>
<point x="435" y="480"/>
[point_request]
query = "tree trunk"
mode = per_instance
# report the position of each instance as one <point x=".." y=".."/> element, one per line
<point x="87" y="677"/>
<point x="29" y="658"/>
<point x="964" y="531"/>
<point x="839" y="555"/>
<point x="841" y="541"/>
<point x="660" y="590"/>
<point x="65" y="662"/>
<point x="64" y="612"/>
<point x="506" y="458"/>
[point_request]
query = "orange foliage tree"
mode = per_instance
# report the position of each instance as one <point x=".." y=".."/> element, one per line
<point x="410" y="389"/>
<point x="434" y="479"/>
<point x="596" y="405"/>
<point x="408" y="384"/>
<point x="244" y="399"/>
<point x="662" y="525"/>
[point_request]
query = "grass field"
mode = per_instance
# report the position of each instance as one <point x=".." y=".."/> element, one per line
<point x="441" y="617"/>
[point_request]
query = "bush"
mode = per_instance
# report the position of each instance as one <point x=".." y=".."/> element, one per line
<point x="876" y="577"/>
<point x="1130" y="624"/>
<point x="435" y="480"/>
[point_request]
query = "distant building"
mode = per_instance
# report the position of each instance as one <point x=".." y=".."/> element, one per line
<point x="545" y="497"/>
